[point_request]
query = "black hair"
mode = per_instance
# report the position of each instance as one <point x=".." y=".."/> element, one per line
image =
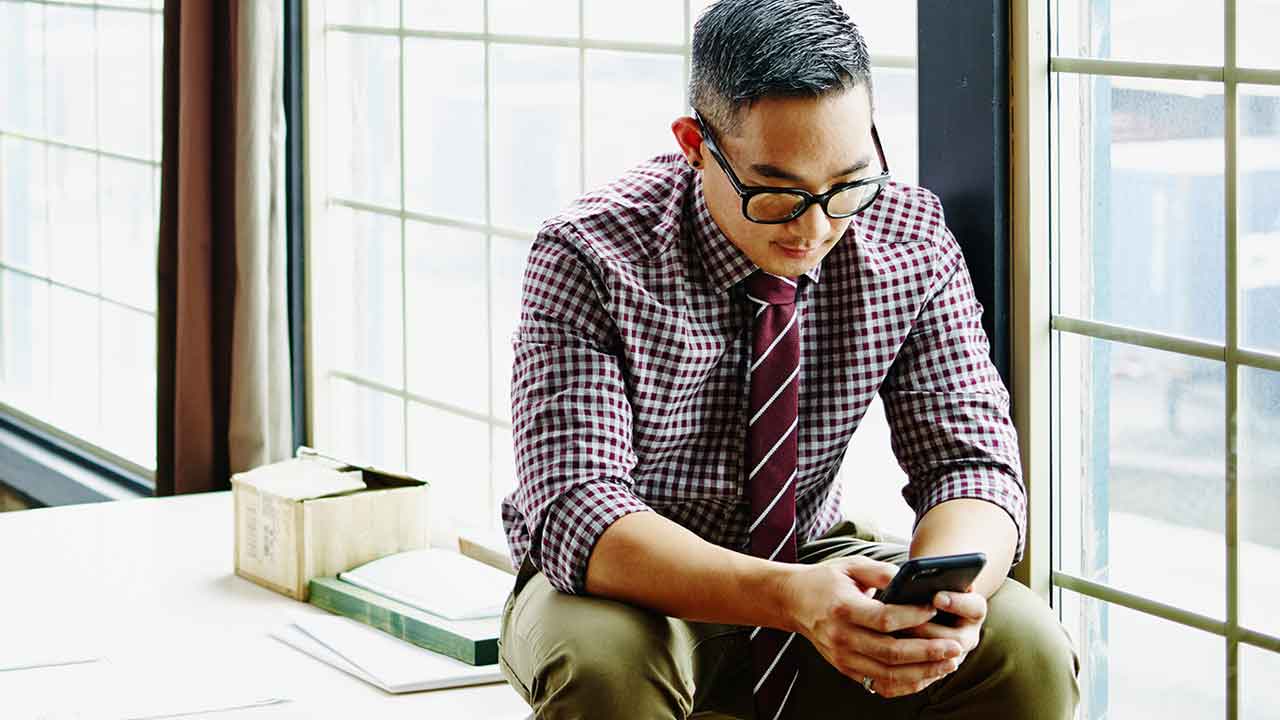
<point x="746" y="50"/>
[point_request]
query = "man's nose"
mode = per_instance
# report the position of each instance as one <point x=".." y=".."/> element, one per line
<point x="812" y="225"/>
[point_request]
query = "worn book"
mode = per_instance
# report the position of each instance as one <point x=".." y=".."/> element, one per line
<point x="474" y="642"/>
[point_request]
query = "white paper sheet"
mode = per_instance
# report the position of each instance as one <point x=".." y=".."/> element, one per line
<point x="438" y="581"/>
<point x="378" y="658"/>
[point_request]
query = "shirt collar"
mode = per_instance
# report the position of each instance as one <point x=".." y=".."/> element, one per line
<point x="723" y="262"/>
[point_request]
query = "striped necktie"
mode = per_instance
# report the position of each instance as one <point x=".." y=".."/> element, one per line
<point x="771" y="467"/>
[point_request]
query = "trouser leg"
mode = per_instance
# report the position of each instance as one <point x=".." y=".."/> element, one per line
<point x="1023" y="667"/>
<point x="574" y="656"/>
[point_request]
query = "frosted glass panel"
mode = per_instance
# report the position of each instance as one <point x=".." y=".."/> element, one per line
<point x="535" y="138"/>
<point x="447" y="311"/>
<point x="444" y="128"/>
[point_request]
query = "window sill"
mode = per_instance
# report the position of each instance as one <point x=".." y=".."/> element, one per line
<point x="48" y="473"/>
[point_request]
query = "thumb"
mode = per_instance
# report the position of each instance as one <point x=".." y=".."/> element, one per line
<point x="866" y="572"/>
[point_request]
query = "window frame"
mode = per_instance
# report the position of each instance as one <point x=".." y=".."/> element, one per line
<point x="1034" y="322"/>
<point x="42" y="461"/>
<point x="313" y="24"/>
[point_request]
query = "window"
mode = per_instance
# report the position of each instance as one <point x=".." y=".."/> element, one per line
<point x="440" y="136"/>
<point x="1164" y="262"/>
<point x="79" y="202"/>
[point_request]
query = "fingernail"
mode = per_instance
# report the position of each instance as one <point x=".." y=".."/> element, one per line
<point x="944" y="600"/>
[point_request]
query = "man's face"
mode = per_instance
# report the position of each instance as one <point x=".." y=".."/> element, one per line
<point x="807" y="143"/>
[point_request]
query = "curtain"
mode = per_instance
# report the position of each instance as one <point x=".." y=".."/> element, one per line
<point x="222" y="344"/>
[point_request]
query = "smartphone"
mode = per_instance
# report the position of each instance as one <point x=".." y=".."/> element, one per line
<point x="919" y="579"/>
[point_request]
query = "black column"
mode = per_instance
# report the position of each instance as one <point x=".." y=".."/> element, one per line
<point x="964" y="143"/>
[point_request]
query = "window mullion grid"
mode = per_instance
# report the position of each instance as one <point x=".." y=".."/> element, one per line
<point x="1230" y="352"/>
<point x="1230" y="134"/>
<point x="97" y="173"/>
<point x="488" y="260"/>
<point x="404" y="257"/>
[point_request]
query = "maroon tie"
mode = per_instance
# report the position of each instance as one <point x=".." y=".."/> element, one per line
<point x="771" y="468"/>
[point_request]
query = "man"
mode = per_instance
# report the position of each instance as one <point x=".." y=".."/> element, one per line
<point x="697" y="343"/>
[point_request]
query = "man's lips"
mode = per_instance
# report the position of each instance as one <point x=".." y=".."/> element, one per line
<point x="796" y="252"/>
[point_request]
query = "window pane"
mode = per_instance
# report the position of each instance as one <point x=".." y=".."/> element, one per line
<point x="1256" y="33"/>
<point x="1258" y="224"/>
<point x="129" y="383"/>
<point x="872" y="478"/>
<point x="631" y="100"/>
<point x="535" y="139"/>
<point x="382" y="13"/>
<point x="364" y="118"/>
<point x="509" y="258"/>
<point x="444" y="116"/>
<point x="362" y="274"/>
<point x="1126" y="670"/>
<point x="448" y="451"/>
<point x="366" y="426"/>
<point x="658" y="21"/>
<point x="444" y="15"/>
<point x="1260" y="691"/>
<point x="73" y="218"/>
<point x="75" y="359"/>
<point x="557" y="18"/>
<point x="129" y="233"/>
<point x="24" y="205"/>
<point x="1140" y="233"/>
<point x="889" y="28"/>
<point x="124" y="60"/>
<point x="1259" y="499"/>
<point x="26" y="341"/>
<point x="21" y="64"/>
<point x="447" y="315"/>
<point x="504" y="473"/>
<point x="1142" y="466"/>
<point x="897" y="121"/>
<point x="157" y="86"/>
<point x="70" y="88"/>
<point x="1175" y="31"/>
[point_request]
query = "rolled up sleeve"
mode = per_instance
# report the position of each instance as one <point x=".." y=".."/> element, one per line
<point x="947" y="407"/>
<point x="571" y="420"/>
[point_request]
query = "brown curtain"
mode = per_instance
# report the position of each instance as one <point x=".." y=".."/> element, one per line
<point x="197" y="264"/>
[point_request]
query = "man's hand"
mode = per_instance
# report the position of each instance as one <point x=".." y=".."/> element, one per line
<point x="830" y="604"/>
<point x="970" y="610"/>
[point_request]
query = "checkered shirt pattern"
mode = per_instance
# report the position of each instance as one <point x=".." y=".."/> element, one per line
<point x="629" y="386"/>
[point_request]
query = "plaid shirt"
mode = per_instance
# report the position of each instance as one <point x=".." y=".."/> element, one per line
<point x="629" y="384"/>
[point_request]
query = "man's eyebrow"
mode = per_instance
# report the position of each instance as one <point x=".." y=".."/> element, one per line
<point x="773" y="171"/>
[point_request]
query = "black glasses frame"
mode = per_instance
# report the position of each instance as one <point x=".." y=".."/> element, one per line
<point x="746" y="192"/>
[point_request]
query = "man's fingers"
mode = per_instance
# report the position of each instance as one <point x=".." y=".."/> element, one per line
<point x="890" y="651"/>
<point x="935" y="631"/>
<point x="896" y="680"/>
<point x="867" y="572"/>
<point x="970" y="606"/>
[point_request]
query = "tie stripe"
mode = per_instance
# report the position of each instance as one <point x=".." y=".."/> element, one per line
<point x="774" y="344"/>
<point x="774" y="389"/>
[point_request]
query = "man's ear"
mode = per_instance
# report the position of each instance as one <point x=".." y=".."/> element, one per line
<point x="689" y="136"/>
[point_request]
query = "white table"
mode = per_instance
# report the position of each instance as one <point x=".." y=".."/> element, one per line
<point x="150" y="584"/>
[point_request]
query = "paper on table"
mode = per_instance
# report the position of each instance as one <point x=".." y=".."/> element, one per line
<point x="438" y="581"/>
<point x="378" y="658"/>
<point x="32" y="661"/>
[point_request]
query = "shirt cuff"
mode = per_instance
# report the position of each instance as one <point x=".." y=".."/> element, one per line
<point x="574" y="523"/>
<point x="979" y="483"/>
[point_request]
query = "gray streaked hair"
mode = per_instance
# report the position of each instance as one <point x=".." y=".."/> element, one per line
<point x="746" y="50"/>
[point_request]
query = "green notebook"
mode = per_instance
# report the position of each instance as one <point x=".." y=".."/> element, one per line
<point x="472" y="641"/>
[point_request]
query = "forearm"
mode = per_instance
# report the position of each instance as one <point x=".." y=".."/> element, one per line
<point x="969" y="525"/>
<point x="648" y="560"/>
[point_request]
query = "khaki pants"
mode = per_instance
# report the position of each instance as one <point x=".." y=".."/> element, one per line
<point x="573" y="656"/>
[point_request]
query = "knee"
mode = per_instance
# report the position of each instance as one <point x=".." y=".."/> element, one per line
<point x="1035" y="664"/>
<point x="612" y="661"/>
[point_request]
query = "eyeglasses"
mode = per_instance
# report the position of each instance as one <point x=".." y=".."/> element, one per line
<point x="777" y="205"/>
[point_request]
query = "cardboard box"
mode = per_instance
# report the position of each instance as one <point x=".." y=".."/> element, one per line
<point x="314" y="516"/>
